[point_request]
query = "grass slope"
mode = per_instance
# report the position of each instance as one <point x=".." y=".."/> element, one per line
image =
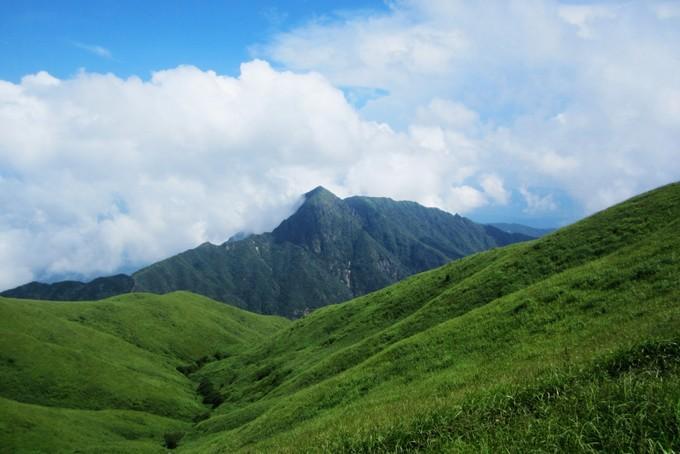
<point x="566" y="343"/>
<point x="114" y="361"/>
<point x="370" y="370"/>
<point x="35" y="428"/>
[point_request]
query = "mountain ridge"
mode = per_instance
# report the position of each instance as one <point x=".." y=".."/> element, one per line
<point x="512" y="227"/>
<point x="329" y="250"/>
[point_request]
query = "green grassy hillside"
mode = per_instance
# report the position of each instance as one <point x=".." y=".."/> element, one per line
<point x="116" y="359"/>
<point x="566" y="343"/>
<point x="497" y="320"/>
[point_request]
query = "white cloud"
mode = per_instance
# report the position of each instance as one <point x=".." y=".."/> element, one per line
<point x="97" y="172"/>
<point x="95" y="49"/>
<point x="40" y="79"/>
<point x="450" y="114"/>
<point x="16" y="266"/>
<point x="537" y="203"/>
<point x="493" y="186"/>
<point x="464" y="198"/>
<point x="544" y="94"/>
<point x="100" y="173"/>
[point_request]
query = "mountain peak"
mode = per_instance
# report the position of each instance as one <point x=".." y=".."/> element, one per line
<point x="320" y="198"/>
<point x="320" y="193"/>
<point x="321" y="216"/>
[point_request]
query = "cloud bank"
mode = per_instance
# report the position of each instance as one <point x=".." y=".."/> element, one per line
<point x="583" y="97"/>
<point x="101" y="173"/>
<point x="473" y="106"/>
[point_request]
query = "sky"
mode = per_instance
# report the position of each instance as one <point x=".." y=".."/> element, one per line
<point x="130" y="131"/>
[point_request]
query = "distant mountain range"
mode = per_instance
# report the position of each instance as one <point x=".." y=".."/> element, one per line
<point x="329" y="250"/>
<point x="523" y="229"/>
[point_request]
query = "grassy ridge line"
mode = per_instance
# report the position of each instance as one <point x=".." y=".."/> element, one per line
<point x="51" y="361"/>
<point x="119" y="353"/>
<point x="490" y="345"/>
<point x="603" y="234"/>
<point x="336" y="338"/>
<point x="169" y="328"/>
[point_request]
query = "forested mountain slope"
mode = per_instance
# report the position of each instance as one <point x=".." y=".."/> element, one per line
<point x="328" y="251"/>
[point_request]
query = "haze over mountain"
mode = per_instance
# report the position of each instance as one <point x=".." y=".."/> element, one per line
<point x="328" y="251"/>
<point x="523" y="229"/>
<point x="564" y="344"/>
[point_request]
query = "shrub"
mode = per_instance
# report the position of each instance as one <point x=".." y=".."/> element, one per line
<point x="172" y="439"/>
<point x="210" y="395"/>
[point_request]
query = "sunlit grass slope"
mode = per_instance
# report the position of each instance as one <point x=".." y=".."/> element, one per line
<point x="35" y="428"/>
<point x="120" y="356"/>
<point x="567" y="343"/>
<point x="508" y="349"/>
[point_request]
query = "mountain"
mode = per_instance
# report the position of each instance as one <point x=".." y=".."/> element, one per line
<point x="521" y="229"/>
<point x="102" y="287"/>
<point x="564" y="344"/>
<point x="329" y="250"/>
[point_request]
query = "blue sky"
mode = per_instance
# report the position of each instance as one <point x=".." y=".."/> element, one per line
<point x="130" y="131"/>
<point x="63" y="37"/>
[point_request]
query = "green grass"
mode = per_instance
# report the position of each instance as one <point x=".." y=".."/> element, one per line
<point x="498" y="318"/>
<point x="119" y="354"/>
<point x="626" y="402"/>
<point x="566" y="343"/>
<point x="26" y="427"/>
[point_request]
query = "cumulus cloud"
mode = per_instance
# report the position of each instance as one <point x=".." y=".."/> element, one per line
<point x="493" y="186"/>
<point x="100" y="173"/>
<point x="581" y="97"/>
<point x="464" y="198"/>
<point x="536" y="203"/>
<point x="454" y="104"/>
